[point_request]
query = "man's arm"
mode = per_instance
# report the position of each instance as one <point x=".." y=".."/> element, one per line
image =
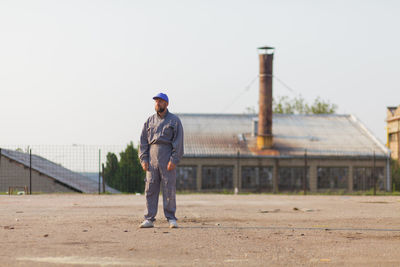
<point x="144" y="148"/>
<point x="177" y="146"/>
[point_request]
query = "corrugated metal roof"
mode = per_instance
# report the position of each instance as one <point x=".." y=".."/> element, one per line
<point x="72" y="179"/>
<point x="321" y="135"/>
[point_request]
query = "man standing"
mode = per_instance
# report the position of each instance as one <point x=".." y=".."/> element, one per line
<point x="161" y="148"/>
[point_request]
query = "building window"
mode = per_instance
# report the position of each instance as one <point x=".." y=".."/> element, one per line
<point x="257" y="178"/>
<point x="332" y="177"/>
<point x="217" y="177"/>
<point x="186" y="178"/>
<point x="291" y="178"/>
<point x="363" y="178"/>
<point x="393" y="137"/>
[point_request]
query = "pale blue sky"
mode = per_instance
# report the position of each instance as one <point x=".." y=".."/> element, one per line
<point x="85" y="71"/>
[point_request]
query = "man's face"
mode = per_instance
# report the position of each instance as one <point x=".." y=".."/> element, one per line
<point x="160" y="105"/>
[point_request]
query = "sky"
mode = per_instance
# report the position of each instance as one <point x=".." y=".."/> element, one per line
<point x="84" y="72"/>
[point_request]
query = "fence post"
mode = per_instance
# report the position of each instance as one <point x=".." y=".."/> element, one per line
<point x="102" y="175"/>
<point x="99" y="169"/>
<point x="30" y="171"/>
<point x="0" y="160"/>
<point x="305" y="173"/>
<point x="389" y="181"/>
<point x="374" y="174"/>
<point x="236" y="188"/>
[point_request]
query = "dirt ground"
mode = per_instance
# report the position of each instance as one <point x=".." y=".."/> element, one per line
<point x="221" y="230"/>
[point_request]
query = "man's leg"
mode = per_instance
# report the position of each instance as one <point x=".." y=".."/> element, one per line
<point x="152" y="191"/>
<point x="168" y="179"/>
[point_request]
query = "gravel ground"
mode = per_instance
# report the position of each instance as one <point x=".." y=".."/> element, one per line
<point x="221" y="230"/>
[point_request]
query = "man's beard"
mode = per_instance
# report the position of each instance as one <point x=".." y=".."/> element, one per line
<point x="160" y="110"/>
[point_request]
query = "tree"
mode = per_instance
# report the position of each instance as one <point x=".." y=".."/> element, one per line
<point x="298" y="105"/>
<point x="282" y="105"/>
<point x="250" y="110"/>
<point x="322" y="107"/>
<point x="130" y="171"/>
<point x="125" y="175"/>
<point x="110" y="170"/>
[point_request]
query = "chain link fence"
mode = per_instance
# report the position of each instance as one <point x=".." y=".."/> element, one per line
<point x="66" y="168"/>
<point x="116" y="169"/>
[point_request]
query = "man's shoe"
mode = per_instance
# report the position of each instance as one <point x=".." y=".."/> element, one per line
<point x="173" y="224"/>
<point x="146" y="224"/>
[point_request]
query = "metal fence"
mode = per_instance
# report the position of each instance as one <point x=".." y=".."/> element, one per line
<point x="285" y="173"/>
<point x="100" y="169"/>
<point x="55" y="168"/>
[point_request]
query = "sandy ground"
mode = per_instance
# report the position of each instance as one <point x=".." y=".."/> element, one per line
<point x="221" y="230"/>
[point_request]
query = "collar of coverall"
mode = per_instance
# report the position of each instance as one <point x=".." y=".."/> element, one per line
<point x="165" y="115"/>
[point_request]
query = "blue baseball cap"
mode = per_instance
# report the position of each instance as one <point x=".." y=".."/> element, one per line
<point x="162" y="96"/>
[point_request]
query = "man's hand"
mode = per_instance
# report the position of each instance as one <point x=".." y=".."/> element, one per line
<point x="171" y="166"/>
<point x="145" y="166"/>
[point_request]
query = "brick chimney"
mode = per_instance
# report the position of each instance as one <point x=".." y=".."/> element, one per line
<point x="264" y="133"/>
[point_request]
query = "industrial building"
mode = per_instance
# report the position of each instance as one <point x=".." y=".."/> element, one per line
<point x="393" y="131"/>
<point x="280" y="152"/>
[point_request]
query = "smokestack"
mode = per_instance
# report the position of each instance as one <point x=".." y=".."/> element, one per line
<point x="264" y="137"/>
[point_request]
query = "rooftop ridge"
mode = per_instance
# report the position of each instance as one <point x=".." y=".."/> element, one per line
<point x="256" y="114"/>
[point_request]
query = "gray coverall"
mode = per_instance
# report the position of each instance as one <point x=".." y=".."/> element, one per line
<point x="161" y="141"/>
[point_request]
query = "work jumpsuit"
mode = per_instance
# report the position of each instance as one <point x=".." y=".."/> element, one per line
<point x="161" y="141"/>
